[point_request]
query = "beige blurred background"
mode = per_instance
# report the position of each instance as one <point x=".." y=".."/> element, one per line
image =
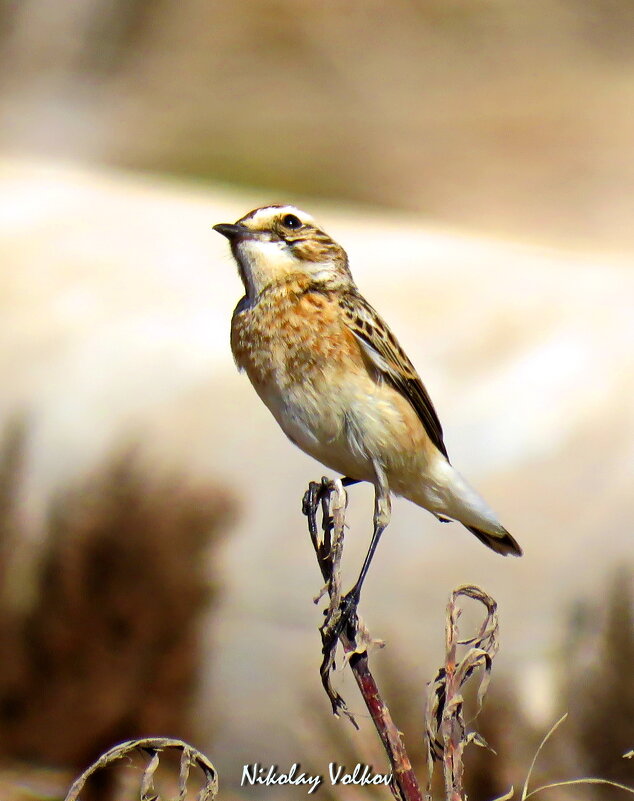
<point x="476" y="159"/>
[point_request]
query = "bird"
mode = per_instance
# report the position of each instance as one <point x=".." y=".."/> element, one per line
<point x="336" y="379"/>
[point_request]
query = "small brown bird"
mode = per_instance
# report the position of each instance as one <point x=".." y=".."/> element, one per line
<point x="335" y="378"/>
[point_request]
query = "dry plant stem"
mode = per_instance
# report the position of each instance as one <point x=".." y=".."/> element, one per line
<point x="403" y="775"/>
<point x="152" y="747"/>
<point x="445" y="726"/>
<point x="453" y="730"/>
<point x="328" y="549"/>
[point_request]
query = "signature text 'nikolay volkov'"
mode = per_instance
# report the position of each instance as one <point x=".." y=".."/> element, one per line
<point x="361" y="775"/>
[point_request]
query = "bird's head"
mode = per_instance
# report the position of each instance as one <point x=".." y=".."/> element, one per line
<point x="277" y="243"/>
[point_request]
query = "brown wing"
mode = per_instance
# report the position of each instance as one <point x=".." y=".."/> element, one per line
<point x="381" y="347"/>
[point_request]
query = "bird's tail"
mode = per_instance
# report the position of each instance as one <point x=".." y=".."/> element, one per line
<point x="451" y="496"/>
<point x="502" y="543"/>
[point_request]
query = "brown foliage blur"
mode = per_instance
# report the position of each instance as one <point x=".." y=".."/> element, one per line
<point x="109" y="648"/>
<point x="601" y="691"/>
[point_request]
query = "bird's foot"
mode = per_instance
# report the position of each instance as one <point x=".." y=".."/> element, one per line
<point x="342" y="620"/>
<point x="313" y="497"/>
<point x="348" y="609"/>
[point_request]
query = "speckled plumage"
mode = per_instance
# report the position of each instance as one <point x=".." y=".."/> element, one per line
<point x="334" y="376"/>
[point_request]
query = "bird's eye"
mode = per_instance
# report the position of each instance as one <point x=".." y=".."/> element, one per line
<point x="291" y="221"/>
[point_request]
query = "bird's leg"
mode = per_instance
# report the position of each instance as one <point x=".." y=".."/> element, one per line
<point x="382" y="512"/>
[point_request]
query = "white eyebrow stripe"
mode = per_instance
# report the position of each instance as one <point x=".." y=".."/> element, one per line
<point x="271" y="212"/>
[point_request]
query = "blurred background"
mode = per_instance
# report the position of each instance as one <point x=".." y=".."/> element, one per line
<point x="476" y="159"/>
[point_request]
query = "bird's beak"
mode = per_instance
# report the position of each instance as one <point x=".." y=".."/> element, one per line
<point x="232" y="231"/>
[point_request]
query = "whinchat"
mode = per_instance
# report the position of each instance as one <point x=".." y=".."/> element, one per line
<point x="335" y="378"/>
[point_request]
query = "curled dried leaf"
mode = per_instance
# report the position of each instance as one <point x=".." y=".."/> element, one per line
<point x="153" y="746"/>
<point x="446" y="733"/>
<point x="327" y="541"/>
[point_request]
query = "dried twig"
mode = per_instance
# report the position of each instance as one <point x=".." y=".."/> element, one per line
<point x="446" y="733"/>
<point x="152" y="746"/>
<point x="328" y="544"/>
